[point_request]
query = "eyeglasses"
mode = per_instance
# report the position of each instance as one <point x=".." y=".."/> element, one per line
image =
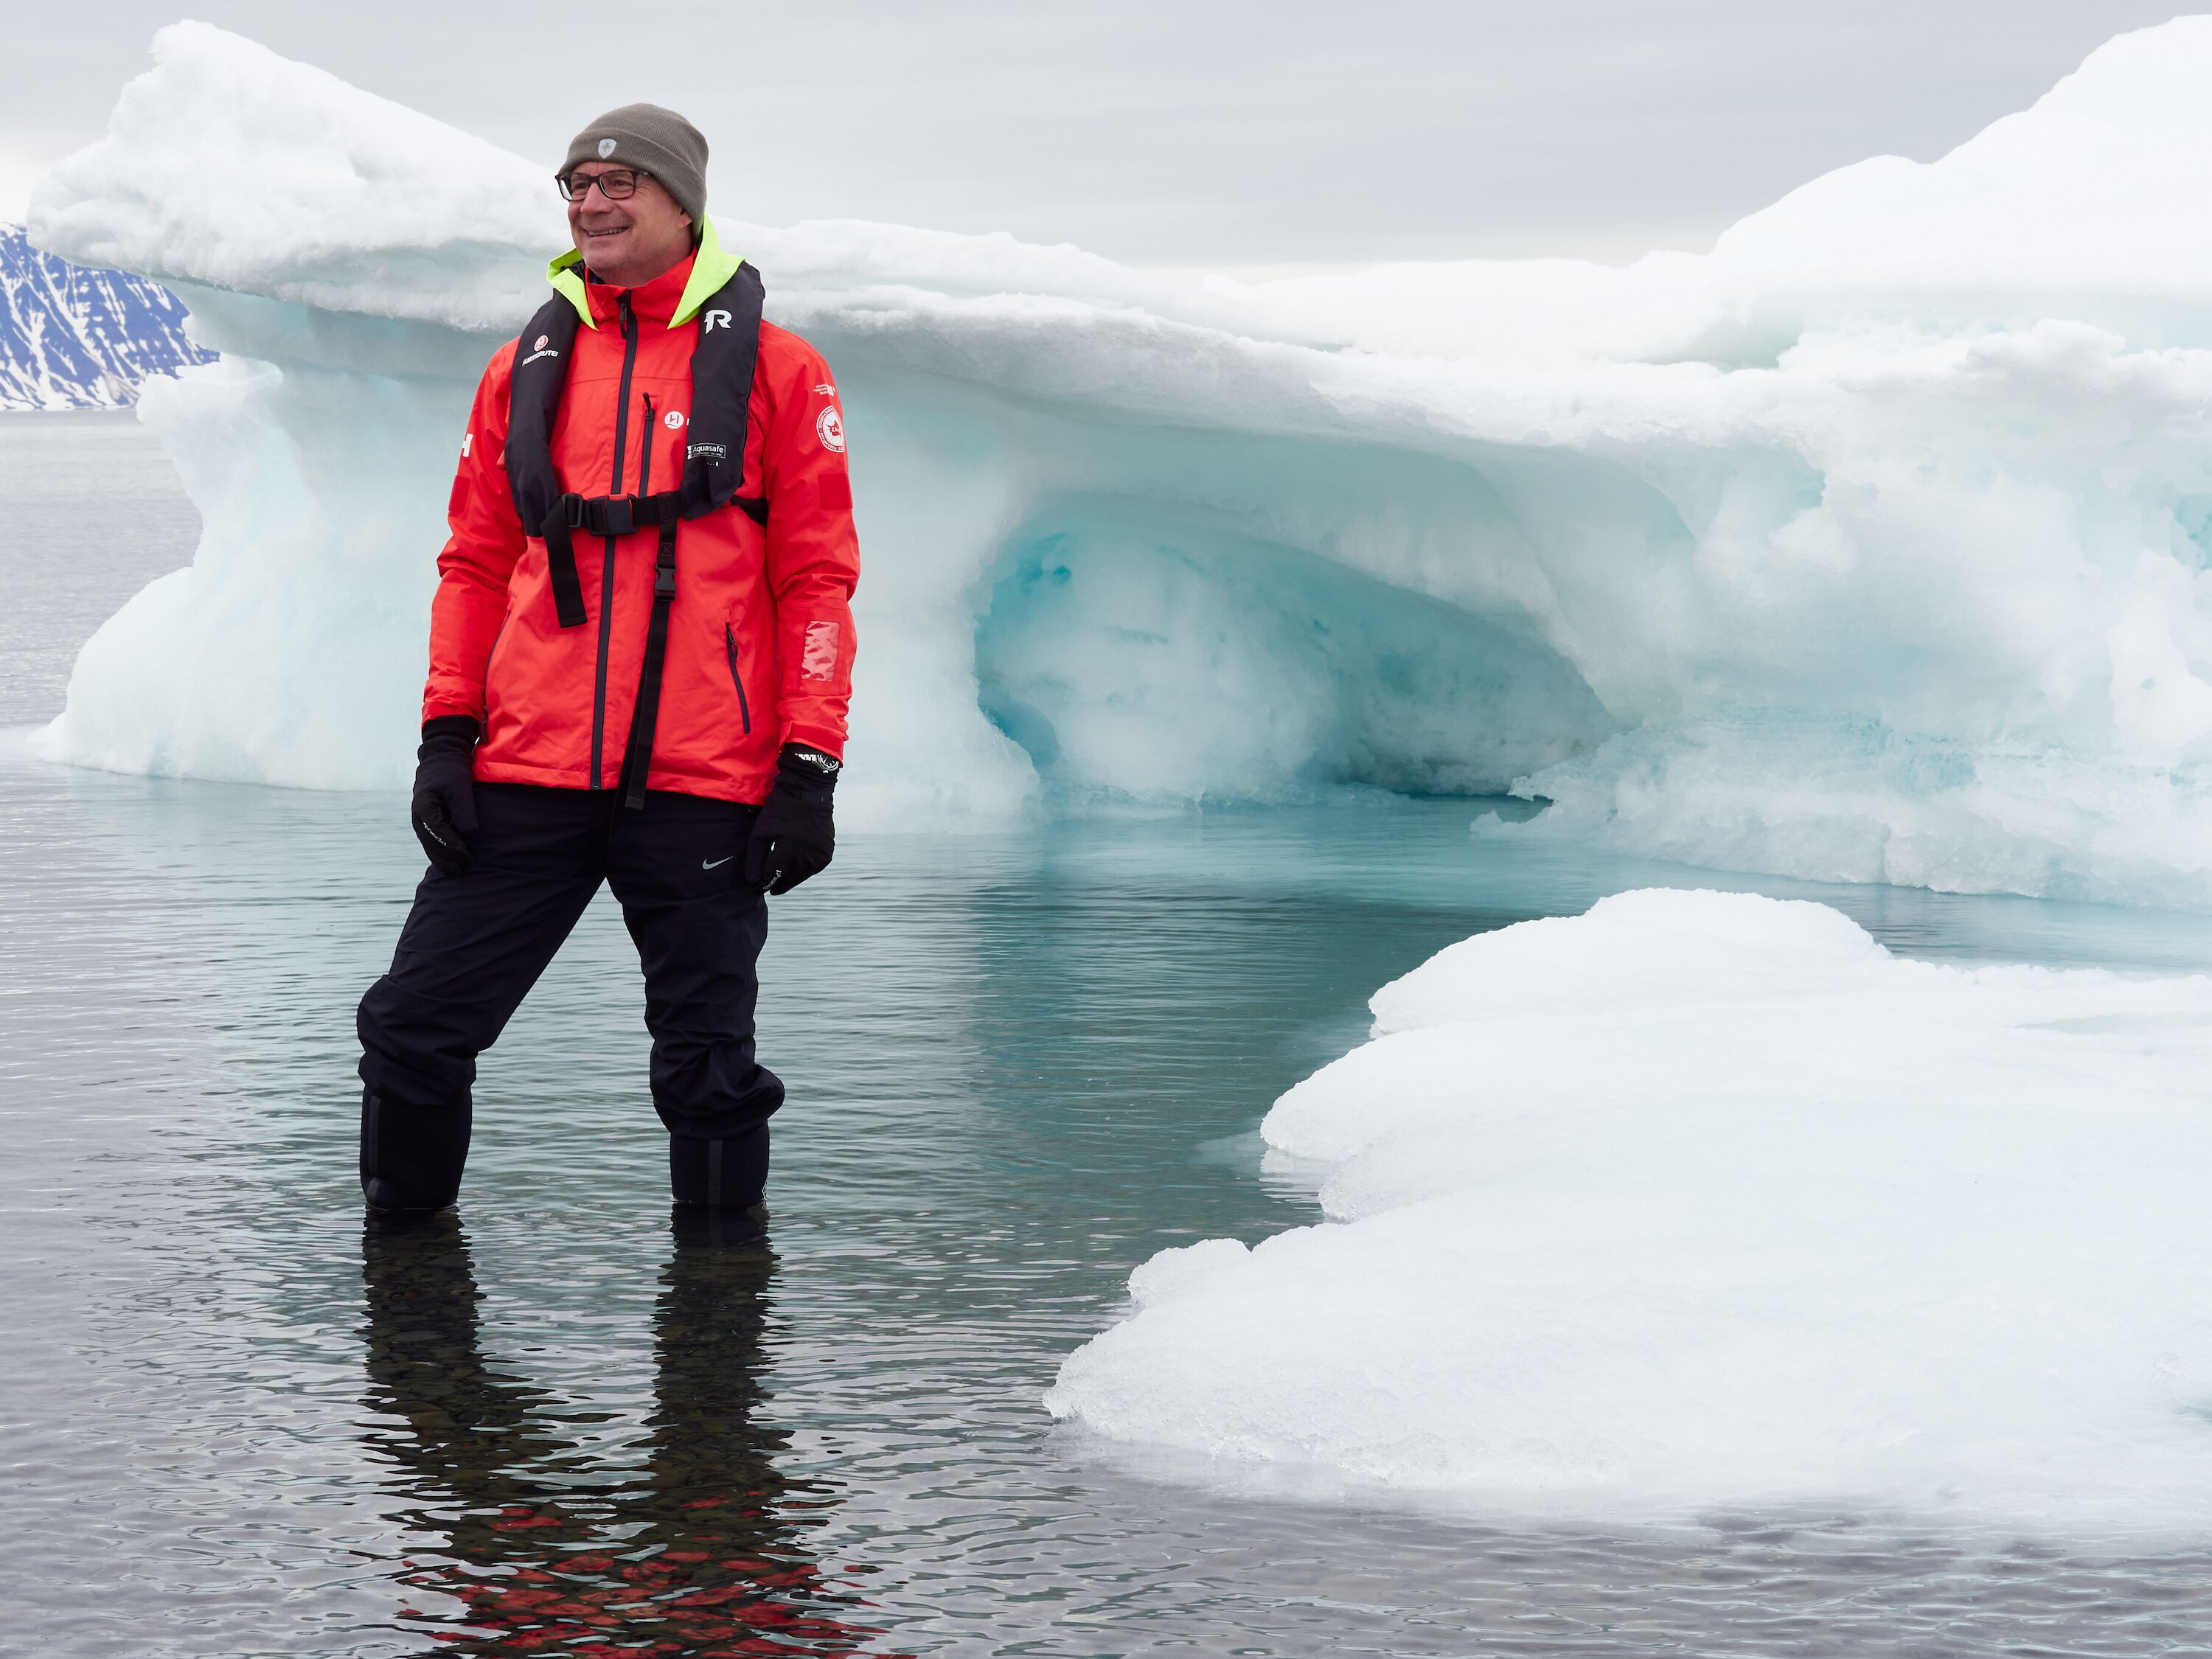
<point x="615" y="183"/>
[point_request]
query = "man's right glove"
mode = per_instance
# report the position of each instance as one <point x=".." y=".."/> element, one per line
<point x="444" y="808"/>
<point x="793" y="837"/>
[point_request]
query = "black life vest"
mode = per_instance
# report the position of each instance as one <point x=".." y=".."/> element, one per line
<point x="723" y="359"/>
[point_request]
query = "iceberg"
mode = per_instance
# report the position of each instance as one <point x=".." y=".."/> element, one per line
<point x="1871" y="545"/>
<point x="1704" y="1202"/>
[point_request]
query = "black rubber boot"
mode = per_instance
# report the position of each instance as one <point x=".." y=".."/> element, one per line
<point x="727" y="1174"/>
<point x="698" y="1226"/>
<point x="412" y="1156"/>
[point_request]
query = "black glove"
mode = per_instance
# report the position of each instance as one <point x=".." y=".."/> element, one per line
<point x="793" y="838"/>
<point x="444" y="810"/>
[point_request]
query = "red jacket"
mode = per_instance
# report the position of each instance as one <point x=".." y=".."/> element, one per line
<point x="760" y="634"/>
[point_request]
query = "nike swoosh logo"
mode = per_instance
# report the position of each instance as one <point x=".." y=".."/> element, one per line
<point x="716" y="865"/>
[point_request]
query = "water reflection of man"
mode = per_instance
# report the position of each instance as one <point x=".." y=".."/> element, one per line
<point x="545" y="1553"/>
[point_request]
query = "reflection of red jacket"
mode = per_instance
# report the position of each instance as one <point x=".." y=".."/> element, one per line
<point x="760" y="634"/>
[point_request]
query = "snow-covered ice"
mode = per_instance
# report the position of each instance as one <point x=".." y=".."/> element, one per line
<point x="1871" y="545"/>
<point x="1705" y="1200"/>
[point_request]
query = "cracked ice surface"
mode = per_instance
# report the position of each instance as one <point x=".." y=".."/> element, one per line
<point x="1870" y="545"/>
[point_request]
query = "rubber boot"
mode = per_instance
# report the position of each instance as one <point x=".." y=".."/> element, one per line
<point x="700" y="1226"/>
<point x="727" y="1174"/>
<point x="411" y="1156"/>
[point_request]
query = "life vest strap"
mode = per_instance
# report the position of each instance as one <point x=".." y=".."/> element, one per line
<point x="610" y="515"/>
<point x="637" y="757"/>
<point x="560" y="567"/>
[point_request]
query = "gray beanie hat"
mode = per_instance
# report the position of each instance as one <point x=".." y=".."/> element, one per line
<point x="652" y="140"/>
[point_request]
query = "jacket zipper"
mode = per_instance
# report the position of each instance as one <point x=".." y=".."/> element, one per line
<point x="607" y="564"/>
<point x="730" y="647"/>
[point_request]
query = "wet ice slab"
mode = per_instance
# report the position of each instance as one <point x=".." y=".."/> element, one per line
<point x="1706" y="1199"/>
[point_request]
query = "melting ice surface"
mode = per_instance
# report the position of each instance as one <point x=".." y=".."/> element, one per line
<point x="1705" y="1200"/>
<point x="1870" y="545"/>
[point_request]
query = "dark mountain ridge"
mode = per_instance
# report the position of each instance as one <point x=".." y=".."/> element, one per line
<point x="71" y="338"/>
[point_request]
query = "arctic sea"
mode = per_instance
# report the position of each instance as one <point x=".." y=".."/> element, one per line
<point x="1020" y="1064"/>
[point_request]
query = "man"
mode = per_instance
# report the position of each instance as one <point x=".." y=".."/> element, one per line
<point x="640" y="657"/>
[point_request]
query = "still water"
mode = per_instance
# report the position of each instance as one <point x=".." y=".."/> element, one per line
<point x="236" y="1423"/>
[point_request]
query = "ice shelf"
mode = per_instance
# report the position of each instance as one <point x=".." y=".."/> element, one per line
<point x="1870" y="545"/>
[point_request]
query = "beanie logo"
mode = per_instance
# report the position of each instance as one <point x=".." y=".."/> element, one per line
<point x="606" y="147"/>
<point x="830" y="430"/>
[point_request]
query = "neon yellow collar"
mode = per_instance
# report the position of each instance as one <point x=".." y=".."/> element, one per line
<point x="711" y="267"/>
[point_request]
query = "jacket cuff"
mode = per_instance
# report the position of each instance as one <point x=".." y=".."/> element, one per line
<point x="451" y="725"/>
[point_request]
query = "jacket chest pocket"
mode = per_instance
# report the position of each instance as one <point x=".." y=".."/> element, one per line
<point x="664" y="440"/>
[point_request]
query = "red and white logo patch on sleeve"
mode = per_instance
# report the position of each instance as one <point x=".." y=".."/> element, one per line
<point x="818" y="660"/>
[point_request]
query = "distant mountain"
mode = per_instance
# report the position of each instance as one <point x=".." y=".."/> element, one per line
<point x="75" y="338"/>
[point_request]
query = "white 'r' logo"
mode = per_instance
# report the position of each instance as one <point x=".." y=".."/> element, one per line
<point x="715" y="317"/>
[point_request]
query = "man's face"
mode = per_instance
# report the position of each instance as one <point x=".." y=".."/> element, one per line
<point x="631" y="241"/>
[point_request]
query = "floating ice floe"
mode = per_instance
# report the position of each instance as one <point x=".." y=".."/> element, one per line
<point x="1871" y="545"/>
<point x="1704" y="1200"/>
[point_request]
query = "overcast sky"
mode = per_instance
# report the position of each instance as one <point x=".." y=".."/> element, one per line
<point x="1168" y="132"/>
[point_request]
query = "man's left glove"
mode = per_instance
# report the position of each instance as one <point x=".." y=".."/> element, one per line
<point x="444" y="808"/>
<point x="793" y="837"/>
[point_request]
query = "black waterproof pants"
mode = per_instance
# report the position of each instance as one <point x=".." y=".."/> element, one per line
<point x="474" y="944"/>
